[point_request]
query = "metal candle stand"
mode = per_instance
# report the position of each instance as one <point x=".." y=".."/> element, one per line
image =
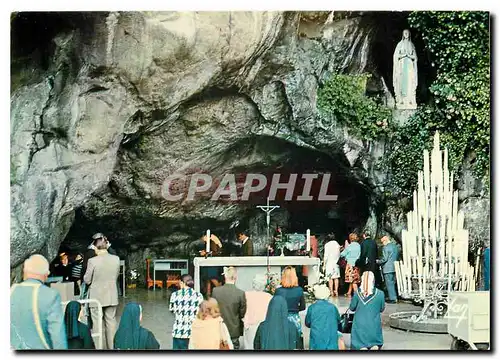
<point x="435" y="248"/>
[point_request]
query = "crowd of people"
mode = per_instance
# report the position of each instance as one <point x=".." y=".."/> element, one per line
<point x="217" y="320"/>
<point x="264" y="321"/>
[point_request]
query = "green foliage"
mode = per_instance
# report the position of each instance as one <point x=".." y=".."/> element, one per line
<point x="343" y="98"/>
<point x="458" y="43"/>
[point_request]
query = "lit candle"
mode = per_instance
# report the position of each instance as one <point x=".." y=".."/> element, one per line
<point x="308" y="241"/>
<point x="208" y="242"/>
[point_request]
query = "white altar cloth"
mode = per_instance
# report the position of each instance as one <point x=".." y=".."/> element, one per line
<point x="249" y="266"/>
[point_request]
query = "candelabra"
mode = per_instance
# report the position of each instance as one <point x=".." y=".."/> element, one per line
<point x="435" y="244"/>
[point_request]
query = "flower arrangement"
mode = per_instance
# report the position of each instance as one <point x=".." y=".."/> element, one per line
<point x="322" y="280"/>
<point x="273" y="282"/>
<point x="133" y="276"/>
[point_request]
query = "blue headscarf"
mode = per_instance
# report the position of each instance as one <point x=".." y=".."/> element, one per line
<point x="130" y="334"/>
<point x="276" y="332"/>
<point x="71" y="320"/>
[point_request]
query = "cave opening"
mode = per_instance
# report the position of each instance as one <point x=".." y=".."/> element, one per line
<point x="136" y="233"/>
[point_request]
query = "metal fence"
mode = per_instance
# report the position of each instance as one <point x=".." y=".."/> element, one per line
<point x="98" y="333"/>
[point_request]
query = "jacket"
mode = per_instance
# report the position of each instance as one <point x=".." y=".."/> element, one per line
<point x="368" y="257"/>
<point x="102" y="274"/>
<point x="233" y="306"/>
<point x="390" y="254"/>
<point x="36" y="317"/>
<point x="247" y="248"/>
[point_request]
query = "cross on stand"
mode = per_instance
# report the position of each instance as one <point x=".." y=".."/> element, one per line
<point x="268" y="209"/>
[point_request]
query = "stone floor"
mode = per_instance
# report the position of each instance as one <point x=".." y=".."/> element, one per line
<point x="158" y="319"/>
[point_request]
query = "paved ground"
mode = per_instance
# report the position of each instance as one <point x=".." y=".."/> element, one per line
<point x="158" y="319"/>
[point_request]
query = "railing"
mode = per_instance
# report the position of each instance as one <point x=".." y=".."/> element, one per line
<point x="95" y="334"/>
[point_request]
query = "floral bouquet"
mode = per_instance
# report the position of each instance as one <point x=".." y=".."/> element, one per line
<point x="322" y="280"/>
<point x="133" y="275"/>
<point x="273" y="281"/>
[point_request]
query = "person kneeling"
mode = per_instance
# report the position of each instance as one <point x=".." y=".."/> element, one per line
<point x="323" y="318"/>
<point x="130" y="334"/>
<point x="276" y="332"/>
<point x="368" y="303"/>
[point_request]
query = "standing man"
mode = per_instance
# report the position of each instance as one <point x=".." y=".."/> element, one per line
<point x="486" y="266"/>
<point x="184" y="303"/>
<point x="232" y="304"/>
<point x="247" y="245"/>
<point x="101" y="276"/>
<point x="89" y="253"/>
<point x="36" y="316"/>
<point x="390" y="254"/>
<point x="368" y="257"/>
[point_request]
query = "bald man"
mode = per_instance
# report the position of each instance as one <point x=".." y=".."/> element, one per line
<point x="36" y="315"/>
<point x="390" y="254"/>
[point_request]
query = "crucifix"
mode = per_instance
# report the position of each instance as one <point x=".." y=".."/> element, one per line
<point x="268" y="209"/>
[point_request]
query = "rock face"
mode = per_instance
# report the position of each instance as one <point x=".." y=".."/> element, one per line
<point x="124" y="100"/>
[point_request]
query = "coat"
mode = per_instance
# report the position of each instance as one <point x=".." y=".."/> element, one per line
<point x="102" y="274"/>
<point x="323" y="318"/>
<point x="390" y="254"/>
<point x="233" y="306"/>
<point x="367" y="324"/>
<point x="368" y="257"/>
<point x="29" y="301"/>
<point x="247" y="248"/>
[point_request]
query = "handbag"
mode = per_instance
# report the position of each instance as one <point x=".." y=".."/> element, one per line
<point x="346" y="320"/>
<point x="223" y="345"/>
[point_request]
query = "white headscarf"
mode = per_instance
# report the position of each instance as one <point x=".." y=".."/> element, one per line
<point x="321" y="292"/>
<point x="367" y="283"/>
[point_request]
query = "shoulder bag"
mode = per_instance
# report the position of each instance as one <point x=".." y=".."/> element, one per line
<point x="346" y="320"/>
<point x="223" y="345"/>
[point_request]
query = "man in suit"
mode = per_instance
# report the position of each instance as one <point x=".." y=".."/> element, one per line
<point x="36" y="316"/>
<point x="368" y="256"/>
<point x="101" y="276"/>
<point x="247" y="245"/>
<point x="390" y="254"/>
<point x="232" y="304"/>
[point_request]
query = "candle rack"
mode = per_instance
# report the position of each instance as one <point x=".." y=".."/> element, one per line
<point x="435" y="243"/>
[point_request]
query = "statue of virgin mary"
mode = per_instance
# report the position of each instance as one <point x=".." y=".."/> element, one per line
<point x="405" y="73"/>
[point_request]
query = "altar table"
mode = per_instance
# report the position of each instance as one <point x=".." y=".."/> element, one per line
<point x="249" y="266"/>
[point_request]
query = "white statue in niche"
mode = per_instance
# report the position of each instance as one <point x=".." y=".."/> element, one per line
<point x="404" y="73"/>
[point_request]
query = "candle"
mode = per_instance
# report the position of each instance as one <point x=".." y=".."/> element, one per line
<point x="442" y="233"/>
<point x="455" y="212"/>
<point x="416" y="273"/>
<point x="208" y="242"/>
<point x="426" y="172"/>
<point x="424" y="278"/>
<point x="308" y="241"/>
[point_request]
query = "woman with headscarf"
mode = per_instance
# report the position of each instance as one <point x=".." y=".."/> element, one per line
<point x="257" y="303"/>
<point x="368" y="303"/>
<point x="276" y="332"/>
<point x="130" y="334"/>
<point x="208" y="330"/>
<point x="323" y="318"/>
<point x="78" y="334"/>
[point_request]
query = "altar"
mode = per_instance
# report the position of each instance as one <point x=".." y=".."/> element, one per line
<point x="249" y="266"/>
